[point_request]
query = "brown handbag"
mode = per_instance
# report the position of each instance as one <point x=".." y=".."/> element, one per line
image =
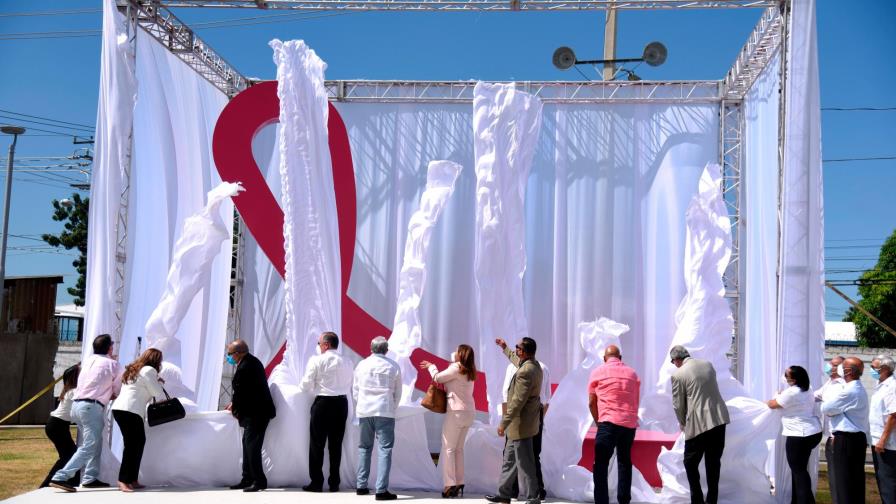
<point x="436" y="399"/>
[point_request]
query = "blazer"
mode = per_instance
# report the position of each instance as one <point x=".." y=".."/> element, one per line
<point x="251" y="395"/>
<point x="523" y="415"/>
<point x="137" y="394"/>
<point x="695" y="395"/>
<point x="458" y="387"/>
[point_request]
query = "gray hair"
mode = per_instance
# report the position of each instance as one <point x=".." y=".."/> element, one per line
<point x="679" y="352"/>
<point x="379" y="345"/>
<point x="887" y="362"/>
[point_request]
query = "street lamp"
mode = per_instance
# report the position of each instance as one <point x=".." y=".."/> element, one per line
<point x="15" y="131"/>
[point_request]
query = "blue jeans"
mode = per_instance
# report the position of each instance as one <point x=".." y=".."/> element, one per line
<point x="89" y="417"/>
<point x="384" y="429"/>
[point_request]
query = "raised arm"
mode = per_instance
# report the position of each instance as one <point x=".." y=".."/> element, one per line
<point x="450" y="373"/>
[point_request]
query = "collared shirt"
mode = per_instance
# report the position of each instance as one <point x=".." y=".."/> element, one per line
<point x="99" y="380"/>
<point x="618" y="390"/>
<point x="545" y="394"/>
<point x="798" y="408"/>
<point x="890" y="409"/>
<point x="377" y="387"/>
<point x="878" y="411"/>
<point x="825" y="393"/>
<point x="64" y="410"/>
<point x="327" y="374"/>
<point x="848" y="410"/>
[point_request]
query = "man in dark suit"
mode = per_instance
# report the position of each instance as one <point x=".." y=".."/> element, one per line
<point x="253" y="407"/>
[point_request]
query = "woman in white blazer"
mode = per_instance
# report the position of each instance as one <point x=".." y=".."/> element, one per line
<point x="140" y="384"/>
<point x="458" y="379"/>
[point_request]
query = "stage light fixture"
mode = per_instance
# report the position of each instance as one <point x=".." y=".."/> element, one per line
<point x="654" y="54"/>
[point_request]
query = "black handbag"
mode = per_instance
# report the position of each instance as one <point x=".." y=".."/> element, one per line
<point x="166" y="411"/>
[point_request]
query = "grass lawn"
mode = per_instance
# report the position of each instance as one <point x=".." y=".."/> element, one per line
<point x="26" y="455"/>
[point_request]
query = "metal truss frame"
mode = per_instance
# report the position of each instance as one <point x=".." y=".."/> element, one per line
<point x="236" y="300"/>
<point x="470" y="5"/>
<point x="768" y="37"/>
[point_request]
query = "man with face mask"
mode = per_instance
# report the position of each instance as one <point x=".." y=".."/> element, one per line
<point x="253" y="408"/>
<point x="827" y="392"/>
<point x="329" y="377"/>
<point x="848" y="412"/>
<point x="884" y="450"/>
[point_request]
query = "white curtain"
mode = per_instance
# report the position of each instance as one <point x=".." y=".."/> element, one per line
<point x="172" y="171"/>
<point x="407" y="332"/>
<point x="112" y="155"/>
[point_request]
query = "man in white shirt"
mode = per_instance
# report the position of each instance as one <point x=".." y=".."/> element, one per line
<point x="536" y="441"/>
<point x="884" y="451"/>
<point x="329" y="377"/>
<point x="827" y="392"/>
<point x="848" y="412"/>
<point x="376" y="391"/>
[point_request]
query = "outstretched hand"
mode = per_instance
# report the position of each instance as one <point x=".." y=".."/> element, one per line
<point x="501" y="343"/>
<point x="425" y="364"/>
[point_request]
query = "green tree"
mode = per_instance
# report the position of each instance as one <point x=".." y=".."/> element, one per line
<point x="73" y="236"/>
<point x="878" y="291"/>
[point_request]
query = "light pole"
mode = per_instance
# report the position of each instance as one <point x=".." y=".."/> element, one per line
<point x="15" y="131"/>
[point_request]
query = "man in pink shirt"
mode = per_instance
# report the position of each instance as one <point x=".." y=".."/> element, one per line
<point x="98" y="383"/>
<point x="614" y="392"/>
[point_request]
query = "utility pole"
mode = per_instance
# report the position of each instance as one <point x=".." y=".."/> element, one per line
<point x="610" y="43"/>
<point x="15" y="131"/>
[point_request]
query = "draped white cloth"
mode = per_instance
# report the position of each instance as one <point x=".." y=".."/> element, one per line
<point x="172" y="172"/>
<point x="506" y="126"/>
<point x="567" y="424"/>
<point x="407" y="332"/>
<point x="199" y="243"/>
<point x="112" y="155"/>
<point x="705" y="327"/>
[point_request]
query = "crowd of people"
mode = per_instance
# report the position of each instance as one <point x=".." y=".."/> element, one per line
<point x="839" y="411"/>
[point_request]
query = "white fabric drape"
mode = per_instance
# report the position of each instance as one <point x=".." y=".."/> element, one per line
<point x="199" y="243"/>
<point x="407" y="332"/>
<point x="567" y="425"/>
<point x="506" y="125"/>
<point x="112" y="158"/>
<point x="705" y="327"/>
<point x="171" y="174"/>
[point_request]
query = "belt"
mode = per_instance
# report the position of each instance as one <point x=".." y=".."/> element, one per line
<point x="849" y="433"/>
<point x="90" y="401"/>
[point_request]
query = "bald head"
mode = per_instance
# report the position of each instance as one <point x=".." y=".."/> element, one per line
<point x="612" y="351"/>
<point x="237" y="349"/>
<point x="853" y="367"/>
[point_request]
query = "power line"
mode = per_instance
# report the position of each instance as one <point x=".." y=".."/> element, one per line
<point x="50" y="34"/>
<point x="842" y="160"/>
<point x="50" y="13"/>
<point x="43" y="118"/>
<point x="42" y="123"/>
<point x="235" y="23"/>
<point x="858" y="109"/>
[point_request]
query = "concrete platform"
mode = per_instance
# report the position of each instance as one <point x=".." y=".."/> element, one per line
<point x="222" y="496"/>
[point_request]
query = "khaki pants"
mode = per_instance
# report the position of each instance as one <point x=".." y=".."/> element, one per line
<point x="454" y="433"/>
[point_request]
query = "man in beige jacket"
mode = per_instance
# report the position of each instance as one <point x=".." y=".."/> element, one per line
<point x="702" y="415"/>
<point x="520" y="423"/>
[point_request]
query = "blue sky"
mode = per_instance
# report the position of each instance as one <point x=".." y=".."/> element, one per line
<point x="57" y="78"/>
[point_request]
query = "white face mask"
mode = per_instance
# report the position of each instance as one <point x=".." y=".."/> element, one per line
<point x="318" y="349"/>
<point x="784" y="381"/>
<point x="840" y="371"/>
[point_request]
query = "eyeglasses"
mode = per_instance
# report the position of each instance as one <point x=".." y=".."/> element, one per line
<point x="519" y="348"/>
<point x="231" y="353"/>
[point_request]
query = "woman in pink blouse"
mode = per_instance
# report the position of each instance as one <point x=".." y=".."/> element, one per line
<point x="458" y="380"/>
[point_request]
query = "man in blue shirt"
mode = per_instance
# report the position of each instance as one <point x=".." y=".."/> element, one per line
<point x="848" y="413"/>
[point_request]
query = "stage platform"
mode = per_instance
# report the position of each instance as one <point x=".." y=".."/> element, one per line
<point x="220" y="496"/>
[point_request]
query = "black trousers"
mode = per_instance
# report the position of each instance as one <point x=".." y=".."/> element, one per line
<point x="798" y="450"/>
<point x="253" y="441"/>
<point x="710" y="444"/>
<point x="885" y="471"/>
<point x="611" y="437"/>
<point x="829" y="458"/>
<point x="328" y="415"/>
<point x="131" y="427"/>
<point x="58" y="431"/>
<point x="849" y="466"/>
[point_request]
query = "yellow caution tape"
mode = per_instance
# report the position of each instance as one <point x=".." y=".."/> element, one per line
<point x="29" y="401"/>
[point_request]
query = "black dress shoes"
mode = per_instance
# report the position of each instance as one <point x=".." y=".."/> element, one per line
<point x="312" y="488"/>
<point x="497" y="498"/>
<point x="255" y="488"/>
<point x="96" y="484"/>
<point x="387" y="495"/>
<point x="241" y="485"/>
<point x="63" y="485"/>
<point x="362" y="491"/>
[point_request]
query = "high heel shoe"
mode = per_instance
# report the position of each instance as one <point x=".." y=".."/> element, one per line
<point x="459" y="489"/>
<point x="448" y="492"/>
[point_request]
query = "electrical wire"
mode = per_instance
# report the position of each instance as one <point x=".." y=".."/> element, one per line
<point x="858" y="109"/>
<point x="50" y="13"/>
<point x="42" y="123"/>
<point x="47" y="119"/>
<point x="842" y="160"/>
